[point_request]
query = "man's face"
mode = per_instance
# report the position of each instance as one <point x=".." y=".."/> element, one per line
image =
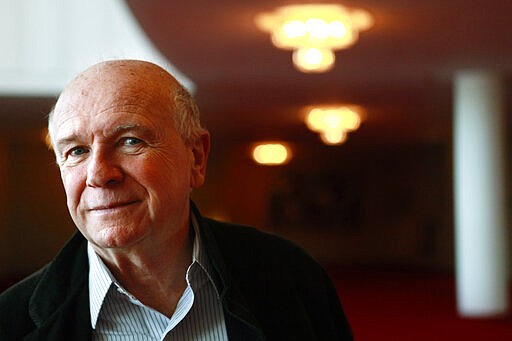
<point x="126" y="171"/>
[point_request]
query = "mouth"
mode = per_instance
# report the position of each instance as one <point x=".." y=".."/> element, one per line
<point x="112" y="206"/>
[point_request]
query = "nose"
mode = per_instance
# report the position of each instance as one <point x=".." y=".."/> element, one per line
<point x="103" y="170"/>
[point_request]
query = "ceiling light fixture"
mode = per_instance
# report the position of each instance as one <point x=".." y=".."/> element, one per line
<point x="271" y="153"/>
<point x="333" y="123"/>
<point x="314" y="31"/>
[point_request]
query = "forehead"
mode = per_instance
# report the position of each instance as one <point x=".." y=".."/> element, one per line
<point x="118" y="84"/>
<point x="115" y="92"/>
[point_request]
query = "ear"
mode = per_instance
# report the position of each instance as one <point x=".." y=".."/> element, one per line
<point x="200" y="146"/>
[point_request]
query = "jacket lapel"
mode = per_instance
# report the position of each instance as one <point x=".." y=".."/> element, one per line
<point x="240" y="322"/>
<point x="59" y="305"/>
<point x="70" y="322"/>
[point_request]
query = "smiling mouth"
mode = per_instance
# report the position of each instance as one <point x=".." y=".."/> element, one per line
<point x="112" y="207"/>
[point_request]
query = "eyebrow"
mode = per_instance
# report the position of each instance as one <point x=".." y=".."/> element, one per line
<point x="119" y="130"/>
<point x="60" y="143"/>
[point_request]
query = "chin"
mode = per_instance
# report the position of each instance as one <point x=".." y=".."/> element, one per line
<point x="115" y="237"/>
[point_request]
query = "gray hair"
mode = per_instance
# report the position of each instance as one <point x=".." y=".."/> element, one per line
<point x="186" y="114"/>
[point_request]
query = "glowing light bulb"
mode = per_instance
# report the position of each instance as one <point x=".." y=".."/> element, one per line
<point x="313" y="59"/>
<point x="333" y="136"/>
<point x="294" y="28"/>
<point x="271" y="154"/>
<point x="351" y="120"/>
<point x="317" y="28"/>
<point x="337" y="29"/>
<point x="314" y="119"/>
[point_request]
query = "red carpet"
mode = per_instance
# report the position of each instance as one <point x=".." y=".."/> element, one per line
<point x="392" y="305"/>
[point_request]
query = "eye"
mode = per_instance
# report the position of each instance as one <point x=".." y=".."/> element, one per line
<point x="77" y="151"/>
<point x="131" y="141"/>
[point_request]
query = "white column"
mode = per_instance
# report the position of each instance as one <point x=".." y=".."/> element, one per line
<point x="479" y="193"/>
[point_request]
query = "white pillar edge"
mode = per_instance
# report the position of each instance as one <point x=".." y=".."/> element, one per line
<point x="481" y="237"/>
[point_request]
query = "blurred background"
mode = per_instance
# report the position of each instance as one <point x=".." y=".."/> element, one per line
<point x="376" y="210"/>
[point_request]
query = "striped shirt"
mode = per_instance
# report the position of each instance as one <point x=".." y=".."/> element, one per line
<point x="118" y="315"/>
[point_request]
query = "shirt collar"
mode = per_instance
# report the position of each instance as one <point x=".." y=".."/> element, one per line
<point x="101" y="279"/>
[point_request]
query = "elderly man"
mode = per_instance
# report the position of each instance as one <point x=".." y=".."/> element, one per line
<point x="146" y="265"/>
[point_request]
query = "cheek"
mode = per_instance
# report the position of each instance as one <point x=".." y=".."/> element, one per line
<point x="72" y="186"/>
<point x="163" y="175"/>
<point x="166" y="167"/>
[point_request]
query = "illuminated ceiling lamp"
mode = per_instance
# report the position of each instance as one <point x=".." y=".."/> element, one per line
<point x="271" y="153"/>
<point x="333" y="123"/>
<point x="314" y="32"/>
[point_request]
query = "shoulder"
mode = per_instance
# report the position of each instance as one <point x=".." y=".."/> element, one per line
<point x="20" y="292"/>
<point x="280" y="282"/>
<point x="251" y="241"/>
<point x="247" y="247"/>
<point x="43" y="292"/>
<point x="15" y="302"/>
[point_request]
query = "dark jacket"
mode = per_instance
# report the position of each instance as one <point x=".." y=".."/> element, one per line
<point x="270" y="289"/>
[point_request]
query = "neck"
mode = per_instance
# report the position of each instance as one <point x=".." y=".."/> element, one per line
<point x="154" y="275"/>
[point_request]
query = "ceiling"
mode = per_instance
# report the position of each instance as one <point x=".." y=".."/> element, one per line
<point x="400" y="70"/>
